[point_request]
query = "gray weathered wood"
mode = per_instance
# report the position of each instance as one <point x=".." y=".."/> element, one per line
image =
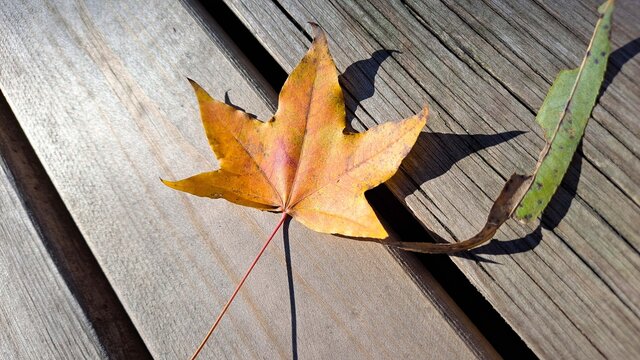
<point x="100" y="89"/>
<point x="66" y="246"/>
<point x="39" y="316"/>
<point x="571" y="288"/>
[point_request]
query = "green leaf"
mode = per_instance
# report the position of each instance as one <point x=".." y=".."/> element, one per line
<point x="564" y="116"/>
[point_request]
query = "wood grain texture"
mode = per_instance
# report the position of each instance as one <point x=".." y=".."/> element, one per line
<point x="39" y="316"/>
<point x="100" y="90"/>
<point x="569" y="287"/>
<point x="65" y="245"/>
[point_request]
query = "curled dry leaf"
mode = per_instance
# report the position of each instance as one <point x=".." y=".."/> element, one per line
<point x="501" y="210"/>
<point x="301" y="162"/>
<point x="563" y="117"/>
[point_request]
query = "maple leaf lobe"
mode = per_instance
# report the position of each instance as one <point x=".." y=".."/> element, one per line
<point x="301" y="161"/>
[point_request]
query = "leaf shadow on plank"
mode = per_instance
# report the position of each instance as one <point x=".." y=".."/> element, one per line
<point x="617" y="59"/>
<point x="358" y="81"/>
<point x="562" y="199"/>
<point x="292" y="297"/>
<point x="228" y="101"/>
<point x="445" y="150"/>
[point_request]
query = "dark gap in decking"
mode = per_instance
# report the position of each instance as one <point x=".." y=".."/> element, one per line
<point x="464" y="294"/>
<point x="66" y="245"/>
<point x="499" y="334"/>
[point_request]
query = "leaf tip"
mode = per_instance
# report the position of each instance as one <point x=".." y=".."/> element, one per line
<point x="194" y="85"/>
<point x="171" y="184"/>
<point x="201" y="93"/>
<point x="318" y="32"/>
<point x="602" y="9"/>
<point x="383" y="234"/>
<point x="424" y="114"/>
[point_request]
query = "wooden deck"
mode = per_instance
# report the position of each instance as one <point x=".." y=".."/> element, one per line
<point x="99" y="260"/>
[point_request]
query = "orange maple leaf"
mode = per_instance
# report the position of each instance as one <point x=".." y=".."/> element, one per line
<point x="301" y="162"/>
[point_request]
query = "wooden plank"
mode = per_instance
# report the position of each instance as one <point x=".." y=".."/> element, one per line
<point x="39" y="316"/>
<point x="65" y="245"/>
<point x="571" y="287"/>
<point x="100" y="90"/>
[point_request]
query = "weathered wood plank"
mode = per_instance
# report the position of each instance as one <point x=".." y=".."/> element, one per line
<point x="39" y="316"/>
<point x="65" y="245"/>
<point x="100" y="91"/>
<point x="571" y="288"/>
